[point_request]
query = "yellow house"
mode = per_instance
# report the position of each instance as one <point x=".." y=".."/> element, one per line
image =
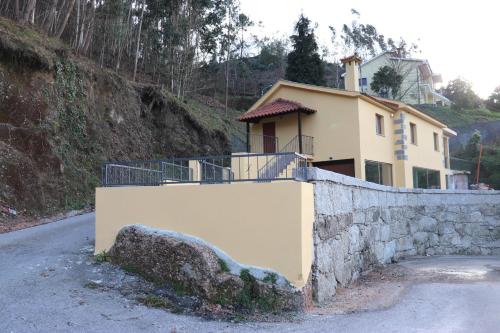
<point x="352" y="133"/>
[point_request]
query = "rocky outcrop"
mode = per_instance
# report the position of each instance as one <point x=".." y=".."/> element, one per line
<point x="359" y="225"/>
<point x="194" y="267"/>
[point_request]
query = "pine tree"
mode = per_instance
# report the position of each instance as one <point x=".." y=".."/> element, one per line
<point x="304" y="62"/>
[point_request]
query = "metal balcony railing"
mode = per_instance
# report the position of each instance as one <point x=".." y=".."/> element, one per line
<point x="261" y="144"/>
<point x="206" y="170"/>
<point x="293" y="146"/>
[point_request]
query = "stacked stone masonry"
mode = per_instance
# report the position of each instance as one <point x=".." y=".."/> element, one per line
<point x="359" y="225"/>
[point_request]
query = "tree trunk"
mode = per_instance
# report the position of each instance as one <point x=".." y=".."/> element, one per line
<point x="17" y="13"/>
<point x="138" y="39"/>
<point x="77" y="26"/>
<point x="227" y="82"/>
<point x="90" y="29"/>
<point x="66" y="18"/>
<point x="120" y="43"/>
<point x="29" y="13"/>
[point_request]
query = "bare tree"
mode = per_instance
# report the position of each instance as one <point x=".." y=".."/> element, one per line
<point x="139" y="39"/>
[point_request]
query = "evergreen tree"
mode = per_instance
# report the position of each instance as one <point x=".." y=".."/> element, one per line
<point x="304" y="62"/>
<point x="386" y="80"/>
<point x="493" y="102"/>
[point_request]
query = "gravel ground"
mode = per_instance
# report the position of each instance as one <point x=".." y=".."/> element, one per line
<point x="50" y="283"/>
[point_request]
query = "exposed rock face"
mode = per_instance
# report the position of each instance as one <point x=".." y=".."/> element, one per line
<point x="193" y="267"/>
<point x="359" y="225"/>
<point x="62" y="116"/>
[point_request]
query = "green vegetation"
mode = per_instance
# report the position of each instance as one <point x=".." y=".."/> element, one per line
<point x="271" y="278"/>
<point x="493" y="101"/>
<point x="102" y="256"/>
<point x="460" y="92"/>
<point x="74" y="144"/>
<point x="223" y="266"/>
<point x="179" y="288"/>
<point x="210" y="114"/>
<point x="466" y="159"/>
<point x="91" y="285"/>
<point x="131" y="269"/>
<point x="254" y="298"/>
<point x="387" y="80"/>
<point x="456" y="118"/>
<point x="155" y="301"/>
<point x="304" y="62"/>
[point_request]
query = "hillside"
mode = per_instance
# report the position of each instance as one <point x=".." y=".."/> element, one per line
<point x="464" y="157"/>
<point x="61" y="116"/>
<point x="466" y="122"/>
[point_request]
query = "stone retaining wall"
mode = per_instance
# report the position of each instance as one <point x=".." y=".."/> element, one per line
<point x="360" y="224"/>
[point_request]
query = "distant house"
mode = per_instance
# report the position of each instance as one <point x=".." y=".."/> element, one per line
<point x="350" y="132"/>
<point x="419" y="81"/>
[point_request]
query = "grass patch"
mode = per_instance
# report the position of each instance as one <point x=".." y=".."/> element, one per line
<point x="238" y="318"/>
<point x="102" y="256"/>
<point x="271" y="278"/>
<point x="250" y="292"/>
<point x="455" y="118"/>
<point x="159" y="302"/>
<point x="223" y="266"/>
<point x="91" y="285"/>
<point x="179" y="288"/>
<point x="254" y="298"/>
<point x="216" y="118"/>
<point x="131" y="269"/>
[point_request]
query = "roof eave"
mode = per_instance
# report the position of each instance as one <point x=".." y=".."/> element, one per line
<point x="258" y="118"/>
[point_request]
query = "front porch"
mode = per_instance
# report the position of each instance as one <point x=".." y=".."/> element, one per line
<point x="277" y="127"/>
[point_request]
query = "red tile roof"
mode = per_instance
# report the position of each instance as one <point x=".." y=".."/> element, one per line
<point x="276" y="107"/>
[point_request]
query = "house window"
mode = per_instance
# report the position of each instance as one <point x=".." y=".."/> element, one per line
<point x="379" y="124"/>
<point x="413" y="133"/>
<point x="436" y="141"/>
<point x="363" y="82"/>
<point x="378" y="172"/>
<point x="426" y="178"/>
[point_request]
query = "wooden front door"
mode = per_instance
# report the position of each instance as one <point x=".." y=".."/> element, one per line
<point x="269" y="137"/>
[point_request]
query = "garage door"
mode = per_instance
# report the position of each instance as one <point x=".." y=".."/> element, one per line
<point x="345" y="167"/>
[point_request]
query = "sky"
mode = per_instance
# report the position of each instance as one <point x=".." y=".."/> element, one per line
<point x="458" y="38"/>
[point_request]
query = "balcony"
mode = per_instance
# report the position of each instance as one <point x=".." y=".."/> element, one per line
<point x="244" y="167"/>
<point x="262" y="144"/>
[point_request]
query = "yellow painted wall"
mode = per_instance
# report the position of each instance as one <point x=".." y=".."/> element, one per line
<point x="422" y="154"/>
<point x="242" y="219"/>
<point x="375" y="147"/>
<point x="332" y="138"/>
<point x="344" y="127"/>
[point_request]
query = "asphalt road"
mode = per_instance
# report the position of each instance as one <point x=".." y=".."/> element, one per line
<point x="43" y="272"/>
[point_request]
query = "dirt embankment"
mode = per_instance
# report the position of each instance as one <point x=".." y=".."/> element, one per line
<point x="62" y="116"/>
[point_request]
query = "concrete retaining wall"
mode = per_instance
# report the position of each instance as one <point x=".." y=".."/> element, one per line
<point x="266" y="225"/>
<point x="360" y="224"/>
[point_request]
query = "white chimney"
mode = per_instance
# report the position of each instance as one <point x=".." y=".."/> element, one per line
<point x="351" y="77"/>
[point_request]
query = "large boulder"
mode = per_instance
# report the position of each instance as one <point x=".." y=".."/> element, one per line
<point x="192" y="266"/>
